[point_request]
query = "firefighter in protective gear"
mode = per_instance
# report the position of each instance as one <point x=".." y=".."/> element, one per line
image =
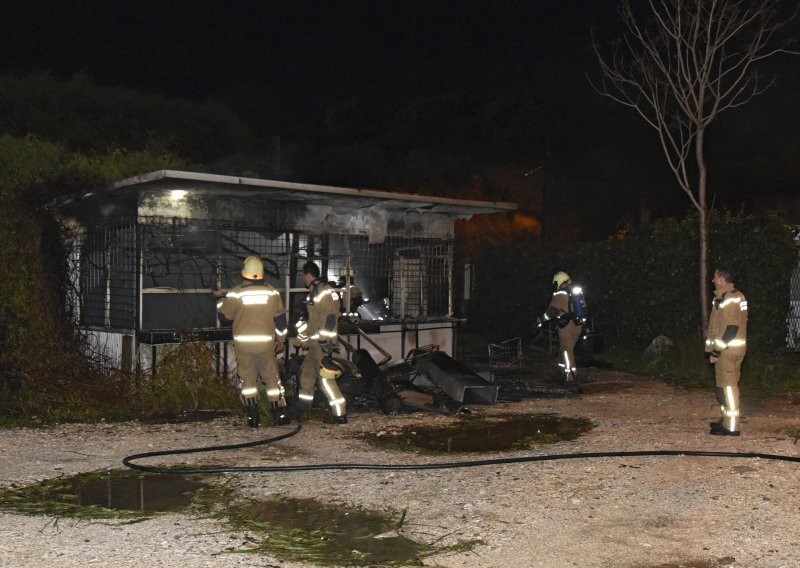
<point x="350" y="294"/>
<point x="726" y="345"/>
<point x="318" y="335"/>
<point x="259" y="328"/>
<point x="569" y="328"/>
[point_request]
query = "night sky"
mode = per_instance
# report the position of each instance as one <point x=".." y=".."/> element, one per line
<point x="292" y="59"/>
<point x="314" y="51"/>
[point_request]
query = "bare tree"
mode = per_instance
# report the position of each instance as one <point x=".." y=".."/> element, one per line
<point x="683" y="65"/>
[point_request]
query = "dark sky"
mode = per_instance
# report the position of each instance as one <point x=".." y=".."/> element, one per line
<point x="308" y="49"/>
<point x="298" y="57"/>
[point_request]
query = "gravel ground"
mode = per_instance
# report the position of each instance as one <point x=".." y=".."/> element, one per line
<point x="701" y="512"/>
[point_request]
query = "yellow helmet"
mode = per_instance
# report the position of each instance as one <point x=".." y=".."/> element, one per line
<point x="253" y="268"/>
<point x="560" y="277"/>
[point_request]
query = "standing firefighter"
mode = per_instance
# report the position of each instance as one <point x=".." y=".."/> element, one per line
<point x="568" y="309"/>
<point x="726" y="344"/>
<point x="318" y="334"/>
<point x="259" y="326"/>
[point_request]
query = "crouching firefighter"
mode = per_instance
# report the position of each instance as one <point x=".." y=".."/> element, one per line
<point x="568" y="309"/>
<point x="318" y="335"/>
<point x="259" y="328"/>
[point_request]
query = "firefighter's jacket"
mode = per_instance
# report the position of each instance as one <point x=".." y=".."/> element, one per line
<point x="727" y="326"/>
<point x="323" y="306"/>
<point x="559" y="308"/>
<point x="257" y="312"/>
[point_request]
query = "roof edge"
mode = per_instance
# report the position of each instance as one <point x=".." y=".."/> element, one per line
<point x="313" y="188"/>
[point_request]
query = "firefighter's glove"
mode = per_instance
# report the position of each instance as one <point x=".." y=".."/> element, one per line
<point x="301" y="341"/>
<point x="326" y="347"/>
<point x="539" y="321"/>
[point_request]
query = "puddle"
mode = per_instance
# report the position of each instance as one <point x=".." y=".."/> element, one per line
<point x="290" y="529"/>
<point x="489" y="434"/>
<point x="112" y="493"/>
<point x="134" y="491"/>
<point x="305" y="529"/>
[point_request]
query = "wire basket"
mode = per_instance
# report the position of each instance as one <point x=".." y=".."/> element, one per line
<point x="506" y="354"/>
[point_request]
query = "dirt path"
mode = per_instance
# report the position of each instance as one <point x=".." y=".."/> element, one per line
<point x="610" y="512"/>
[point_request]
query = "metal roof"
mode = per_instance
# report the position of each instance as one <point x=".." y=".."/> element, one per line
<point x="290" y="191"/>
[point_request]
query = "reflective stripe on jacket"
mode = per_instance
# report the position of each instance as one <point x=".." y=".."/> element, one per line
<point x="727" y="325"/>
<point x="323" y="312"/>
<point x="253" y="308"/>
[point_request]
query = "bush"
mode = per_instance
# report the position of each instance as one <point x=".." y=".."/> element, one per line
<point x="645" y="285"/>
<point x="44" y="374"/>
<point x="185" y="380"/>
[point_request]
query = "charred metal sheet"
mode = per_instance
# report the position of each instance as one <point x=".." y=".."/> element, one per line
<point x="459" y="382"/>
<point x="306" y="194"/>
<point x="374" y="222"/>
<point x="257" y="211"/>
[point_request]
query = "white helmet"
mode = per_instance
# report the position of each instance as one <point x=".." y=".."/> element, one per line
<point x="253" y="268"/>
<point x="559" y="278"/>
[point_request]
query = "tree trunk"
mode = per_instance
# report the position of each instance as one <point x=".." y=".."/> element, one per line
<point x="704" y="222"/>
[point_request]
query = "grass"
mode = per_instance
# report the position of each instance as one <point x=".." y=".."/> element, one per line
<point x="687" y="365"/>
<point x="185" y="382"/>
<point x="290" y="529"/>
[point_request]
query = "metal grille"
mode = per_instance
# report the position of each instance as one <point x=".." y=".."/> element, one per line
<point x="177" y="261"/>
<point x="182" y="261"/>
<point x="507" y="354"/>
<point x="417" y="273"/>
<point x="107" y="290"/>
<point x="793" y="318"/>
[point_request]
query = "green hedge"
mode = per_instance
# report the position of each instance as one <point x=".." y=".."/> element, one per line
<point x="44" y="373"/>
<point x="645" y="285"/>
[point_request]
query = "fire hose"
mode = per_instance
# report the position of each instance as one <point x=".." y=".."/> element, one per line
<point x="128" y="461"/>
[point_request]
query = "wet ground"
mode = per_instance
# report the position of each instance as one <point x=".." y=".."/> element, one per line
<point x="483" y="435"/>
<point x="599" y="512"/>
<point x="302" y="529"/>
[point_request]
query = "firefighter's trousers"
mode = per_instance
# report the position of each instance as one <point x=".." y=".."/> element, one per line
<point x="257" y="359"/>
<point x="567" y="338"/>
<point x="726" y="372"/>
<point x="309" y="375"/>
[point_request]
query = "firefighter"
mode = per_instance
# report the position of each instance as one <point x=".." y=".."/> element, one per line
<point x="259" y="328"/>
<point x="349" y="292"/>
<point x="570" y="324"/>
<point x="726" y="344"/>
<point x="317" y="335"/>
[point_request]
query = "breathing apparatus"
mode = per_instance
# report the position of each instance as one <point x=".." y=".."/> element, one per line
<point x="578" y="305"/>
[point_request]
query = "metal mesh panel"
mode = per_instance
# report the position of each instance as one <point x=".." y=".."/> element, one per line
<point x="108" y="276"/>
<point x="183" y="260"/>
<point x="177" y="261"/>
<point x="412" y="275"/>
<point x="793" y="318"/>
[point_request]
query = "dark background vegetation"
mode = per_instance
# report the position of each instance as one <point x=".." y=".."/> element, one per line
<point x="470" y="100"/>
<point x="642" y="286"/>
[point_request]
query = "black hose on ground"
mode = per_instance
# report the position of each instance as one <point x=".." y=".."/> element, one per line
<point x="128" y="461"/>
